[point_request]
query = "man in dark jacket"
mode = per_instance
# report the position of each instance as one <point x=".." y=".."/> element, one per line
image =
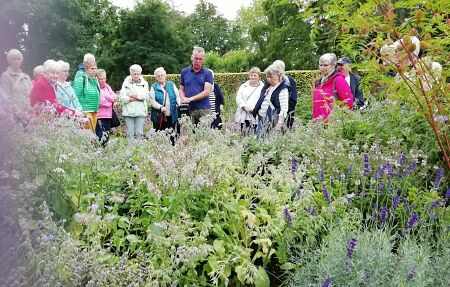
<point x="353" y="81"/>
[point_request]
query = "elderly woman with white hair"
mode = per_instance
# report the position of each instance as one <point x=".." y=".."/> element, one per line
<point x="43" y="91"/>
<point x="87" y="90"/>
<point x="331" y="87"/>
<point x="15" y="83"/>
<point x="105" y="110"/>
<point x="271" y="110"/>
<point x="134" y="96"/>
<point x="65" y="94"/>
<point x="164" y="99"/>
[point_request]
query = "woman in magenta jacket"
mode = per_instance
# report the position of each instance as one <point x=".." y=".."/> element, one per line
<point x="330" y="87"/>
<point x="105" y="109"/>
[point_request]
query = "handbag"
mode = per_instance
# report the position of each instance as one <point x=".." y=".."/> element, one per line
<point x="115" y="122"/>
<point x="162" y="119"/>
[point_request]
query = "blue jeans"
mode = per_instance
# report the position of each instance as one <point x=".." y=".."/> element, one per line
<point x="135" y="127"/>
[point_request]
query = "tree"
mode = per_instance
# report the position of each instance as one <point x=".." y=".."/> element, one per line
<point x="146" y="36"/>
<point x="212" y="31"/>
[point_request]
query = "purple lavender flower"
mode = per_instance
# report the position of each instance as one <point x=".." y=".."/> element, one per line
<point x="447" y="194"/>
<point x="437" y="203"/>
<point x="412" y="221"/>
<point x="351" y="247"/>
<point x="389" y="169"/>
<point x="327" y="282"/>
<point x="326" y="194"/>
<point x="402" y="160"/>
<point x="410" y="168"/>
<point x="433" y="217"/>
<point x="311" y="210"/>
<point x="366" y="165"/>
<point x="380" y="187"/>
<point x="375" y="206"/>
<point x="294" y="165"/>
<point x="298" y="192"/>
<point x="384" y="214"/>
<point x="410" y="274"/>
<point x="287" y="215"/>
<point x="437" y="179"/>
<point x="322" y="176"/>
<point x="395" y="202"/>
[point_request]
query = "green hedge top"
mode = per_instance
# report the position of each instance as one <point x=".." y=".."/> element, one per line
<point x="230" y="82"/>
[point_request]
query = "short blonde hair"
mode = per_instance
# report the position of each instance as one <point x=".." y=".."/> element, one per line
<point x="136" y="68"/>
<point x="12" y="53"/>
<point x="255" y="70"/>
<point x="88" y="60"/>
<point x="159" y="70"/>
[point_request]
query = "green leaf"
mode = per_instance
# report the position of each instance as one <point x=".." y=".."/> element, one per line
<point x="287" y="266"/>
<point x="132" y="238"/>
<point x="261" y="278"/>
<point x="218" y="247"/>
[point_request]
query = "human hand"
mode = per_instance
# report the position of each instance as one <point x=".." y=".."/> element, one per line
<point x="248" y="109"/>
<point x="185" y="100"/>
<point x="79" y="114"/>
<point x="163" y="109"/>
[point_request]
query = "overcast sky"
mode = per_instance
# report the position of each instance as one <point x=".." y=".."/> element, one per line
<point x="228" y="8"/>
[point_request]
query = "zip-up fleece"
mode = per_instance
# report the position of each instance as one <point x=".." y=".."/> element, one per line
<point x="87" y="91"/>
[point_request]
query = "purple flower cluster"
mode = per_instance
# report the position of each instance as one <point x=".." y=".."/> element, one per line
<point x="325" y="193"/>
<point x="410" y="274"/>
<point x="412" y="221"/>
<point x="366" y="165"/>
<point x="321" y="176"/>
<point x="294" y="165"/>
<point x="287" y="215"/>
<point x="395" y="202"/>
<point x="351" y="247"/>
<point x="384" y="214"/>
<point x="447" y="194"/>
<point x="410" y="168"/>
<point x="437" y="179"/>
<point x="327" y="282"/>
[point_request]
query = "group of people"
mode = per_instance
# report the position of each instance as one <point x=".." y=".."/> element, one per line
<point x="261" y="106"/>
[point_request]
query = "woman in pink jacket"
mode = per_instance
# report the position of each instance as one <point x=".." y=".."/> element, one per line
<point x="330" y="87"/>
<point x="105" y="109"/>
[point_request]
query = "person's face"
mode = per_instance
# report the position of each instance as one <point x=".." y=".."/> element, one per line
<point x="197" y="60"/>
<point x="273" y="79"/>
<point x="16" y="62"/>
<point x="101" y="79"/>
<point x="325" y="67"/>
<point x="344" y="67"/>
<point x="135" y="75"/>
<point x="91" y="70"/>
<point x="63" y="74"/>
<point x="52" y="76"/>
<point x="161" y="77"/>
<point x="254" y="77"/>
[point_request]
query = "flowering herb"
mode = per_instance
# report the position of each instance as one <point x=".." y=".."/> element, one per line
<point x="412" y="221"/>
<point x="287" y="215"/>
<point x="366" y="165"/>
<point x="325" y="193"/>
<point x="447" y="194"/>
<point x="410" y="168"/>
<point x="437" y="179"/>
<point x="294" y="165"/>
<point x="327" y="282"/>
<point x="384" y="214"/>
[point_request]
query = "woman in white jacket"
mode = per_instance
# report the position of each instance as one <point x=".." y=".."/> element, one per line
<point x="134" y="96"/>
<point x="246" y="98"/>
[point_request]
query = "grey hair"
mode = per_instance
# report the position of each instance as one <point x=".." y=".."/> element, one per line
<point x="88" y="60"/>
<point x="136" y="68"/>
<point x="159" y="70"/>
<point x="63" y="64"/>
<point x="273" y="70"/>
<point x="100" y="72"/>
<point x="198" y="50"/>
<point x="280" y="64"/>
<point x="37" y="71"/>
<point x="255" y="70"/>
<point x="50" y="66"/>
<point x="12" y="53"/>
<point x="330" y="58"/>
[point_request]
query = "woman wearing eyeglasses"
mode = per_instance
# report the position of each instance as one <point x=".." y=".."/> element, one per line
<point x="330" y="87"/>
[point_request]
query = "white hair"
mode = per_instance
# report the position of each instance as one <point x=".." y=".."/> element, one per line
<point x="135" y="68"/>
<point x="50" y="66"/>
<point x="198" y="50"/>
<point x="88" y="60"/>
<point x="37" y="71"/>
<point x="159" y="70"/>
<point x="280" y="64"/>
<point x="12" y="53"/>
<point x="329" y="58"/>
<point x="414" y="40"/>
<point x="63" y="65"/>
<point x="273" y="70"/>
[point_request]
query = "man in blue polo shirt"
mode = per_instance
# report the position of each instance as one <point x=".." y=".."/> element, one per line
<point x="195" y="86"/>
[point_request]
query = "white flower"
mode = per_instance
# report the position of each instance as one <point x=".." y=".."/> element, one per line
<point x="59" y="170"/>
<point x="440" y="119"/>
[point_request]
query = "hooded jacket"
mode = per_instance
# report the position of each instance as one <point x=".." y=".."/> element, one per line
<point x="134" y="108"/>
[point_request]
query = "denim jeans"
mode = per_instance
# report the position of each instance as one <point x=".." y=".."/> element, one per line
<point x="135" y="127"/>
